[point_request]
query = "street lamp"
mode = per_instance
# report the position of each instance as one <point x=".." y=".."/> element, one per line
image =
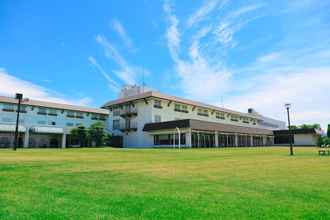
<point x="19" y="97"/>
<point x="288" y="106"/>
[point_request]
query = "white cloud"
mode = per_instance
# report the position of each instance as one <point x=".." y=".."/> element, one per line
<point x="113" y="85"/>
<point x="11" y="85"/>
<point x="127" y="73"/>
<point x="207" y="7"/>
<point x="269" y="57"/>
<point x="119" y="28"/>
<point x="232" y="23"/>
<point x="200" y="78"/>
<point x="172" y="32"/>
<point x="307" y="90"/>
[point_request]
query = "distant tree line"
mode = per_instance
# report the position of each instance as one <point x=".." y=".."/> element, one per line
<point x="304" y="126"/>
<point x="95" y="135"/>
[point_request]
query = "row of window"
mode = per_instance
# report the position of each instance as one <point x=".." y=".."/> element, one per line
<point x="53" y="112"/>
<point x="205" y="113"/>
<point x="169" y="139"/>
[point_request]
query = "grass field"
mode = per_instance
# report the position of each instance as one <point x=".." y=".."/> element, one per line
<point x="105" y="183"/>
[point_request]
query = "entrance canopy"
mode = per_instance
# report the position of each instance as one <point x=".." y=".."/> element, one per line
<point x="205" y="126"/>
<point x="47" y="130"/>
<point x="11" y="128"/>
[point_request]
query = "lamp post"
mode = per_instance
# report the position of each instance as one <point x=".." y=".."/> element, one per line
<point x="288" y="106"/>
<point x="19" y="97"/>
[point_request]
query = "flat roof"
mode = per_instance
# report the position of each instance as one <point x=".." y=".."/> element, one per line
<point x="205" y="126"/>
<point x="178" y="100"/>
<point x="32" y="102"/>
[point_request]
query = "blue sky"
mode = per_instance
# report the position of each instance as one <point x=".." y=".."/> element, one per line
<point x="236" y="54"/>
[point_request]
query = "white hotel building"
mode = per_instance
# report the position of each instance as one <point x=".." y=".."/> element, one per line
<point x="44" y="124"/>
<point x="137" y="119"/>
<point x="152" y="119"/>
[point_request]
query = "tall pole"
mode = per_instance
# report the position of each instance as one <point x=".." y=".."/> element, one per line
<point x="290" y="131"/>
<point x="19" y="97"/>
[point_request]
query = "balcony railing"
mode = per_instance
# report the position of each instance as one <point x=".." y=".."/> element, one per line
<point x="128" y="112"/>
<point x="128" y="127"/>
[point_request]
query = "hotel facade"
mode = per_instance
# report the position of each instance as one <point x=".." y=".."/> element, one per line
<point x="44" y="124"/>
<point x="153" y="119"/>
<point x="137" y="119"/>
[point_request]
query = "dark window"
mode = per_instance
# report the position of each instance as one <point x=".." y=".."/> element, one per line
<point x="167" y="139"/>
<point x="157" y="104"/>
<point x="42" y="111"/>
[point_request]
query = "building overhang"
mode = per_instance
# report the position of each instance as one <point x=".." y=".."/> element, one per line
<point x="11" y="128"/>
<point x="204" y="126"/>
<point x="47" y="130"/>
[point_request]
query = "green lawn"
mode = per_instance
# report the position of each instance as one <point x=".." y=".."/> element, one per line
<point x="105" y="183"/>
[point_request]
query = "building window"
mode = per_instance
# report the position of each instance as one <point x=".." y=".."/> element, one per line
<point x="116" y="112"/>
<point x="79" y="115"/>
<point x="70" y="114"/>
<point x="103" y="117"/>
<point x="157" y="104"/>
<point x="220" y="115"/>
<point x="203" y="112"/>
<point x="158" y="118"/>
<point x="169" y="139"/>
<point x="245" y="120"/>
<point x="42" y="111"/>
<point x="23" y="109"/>
<point x="52" y="112"/>
<point x="8" y="108"/>
<point x="234" y="118"/>
<point x="181" y="108"/>
<point x="115" y="124"/>
<point x="94" y="117"/>
<point x="69" y="124"/>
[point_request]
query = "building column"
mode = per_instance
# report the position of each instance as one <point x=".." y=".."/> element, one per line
<point x="26" y="138"/>
<point x="216" y="139"/>
<point x="188" y="138"/>
<point x="251" y="141"/>
<point x="264" y="138"/>
<point x="236" y="140"/>
<point x="64" y="140"/>
<point x="198" y="140"/>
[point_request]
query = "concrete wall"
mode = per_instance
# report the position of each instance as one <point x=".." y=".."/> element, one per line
<point x="305" y="139"/>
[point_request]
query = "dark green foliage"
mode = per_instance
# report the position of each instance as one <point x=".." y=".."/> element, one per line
<point x="79" y="134"/>
<point x="96" y="134"/>
<point x="328" y="132"/>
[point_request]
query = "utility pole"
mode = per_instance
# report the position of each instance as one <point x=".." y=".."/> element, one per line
<point x="19" y="97"/>
<point x="288" y="106"/>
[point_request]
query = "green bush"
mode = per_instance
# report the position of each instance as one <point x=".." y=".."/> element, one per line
<point x="323" y="141"/>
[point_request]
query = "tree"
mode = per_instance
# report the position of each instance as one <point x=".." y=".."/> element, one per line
<point x="316" y="126"/>
<point x="328" y="132"/>
<point x="79" y="134"/>
<point x="293" y="127"/>
<point x="107" y="139"/>
<point x="97" y="134"/>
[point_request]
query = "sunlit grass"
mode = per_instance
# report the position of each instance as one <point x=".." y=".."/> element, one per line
<point x="105" y="183"/>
